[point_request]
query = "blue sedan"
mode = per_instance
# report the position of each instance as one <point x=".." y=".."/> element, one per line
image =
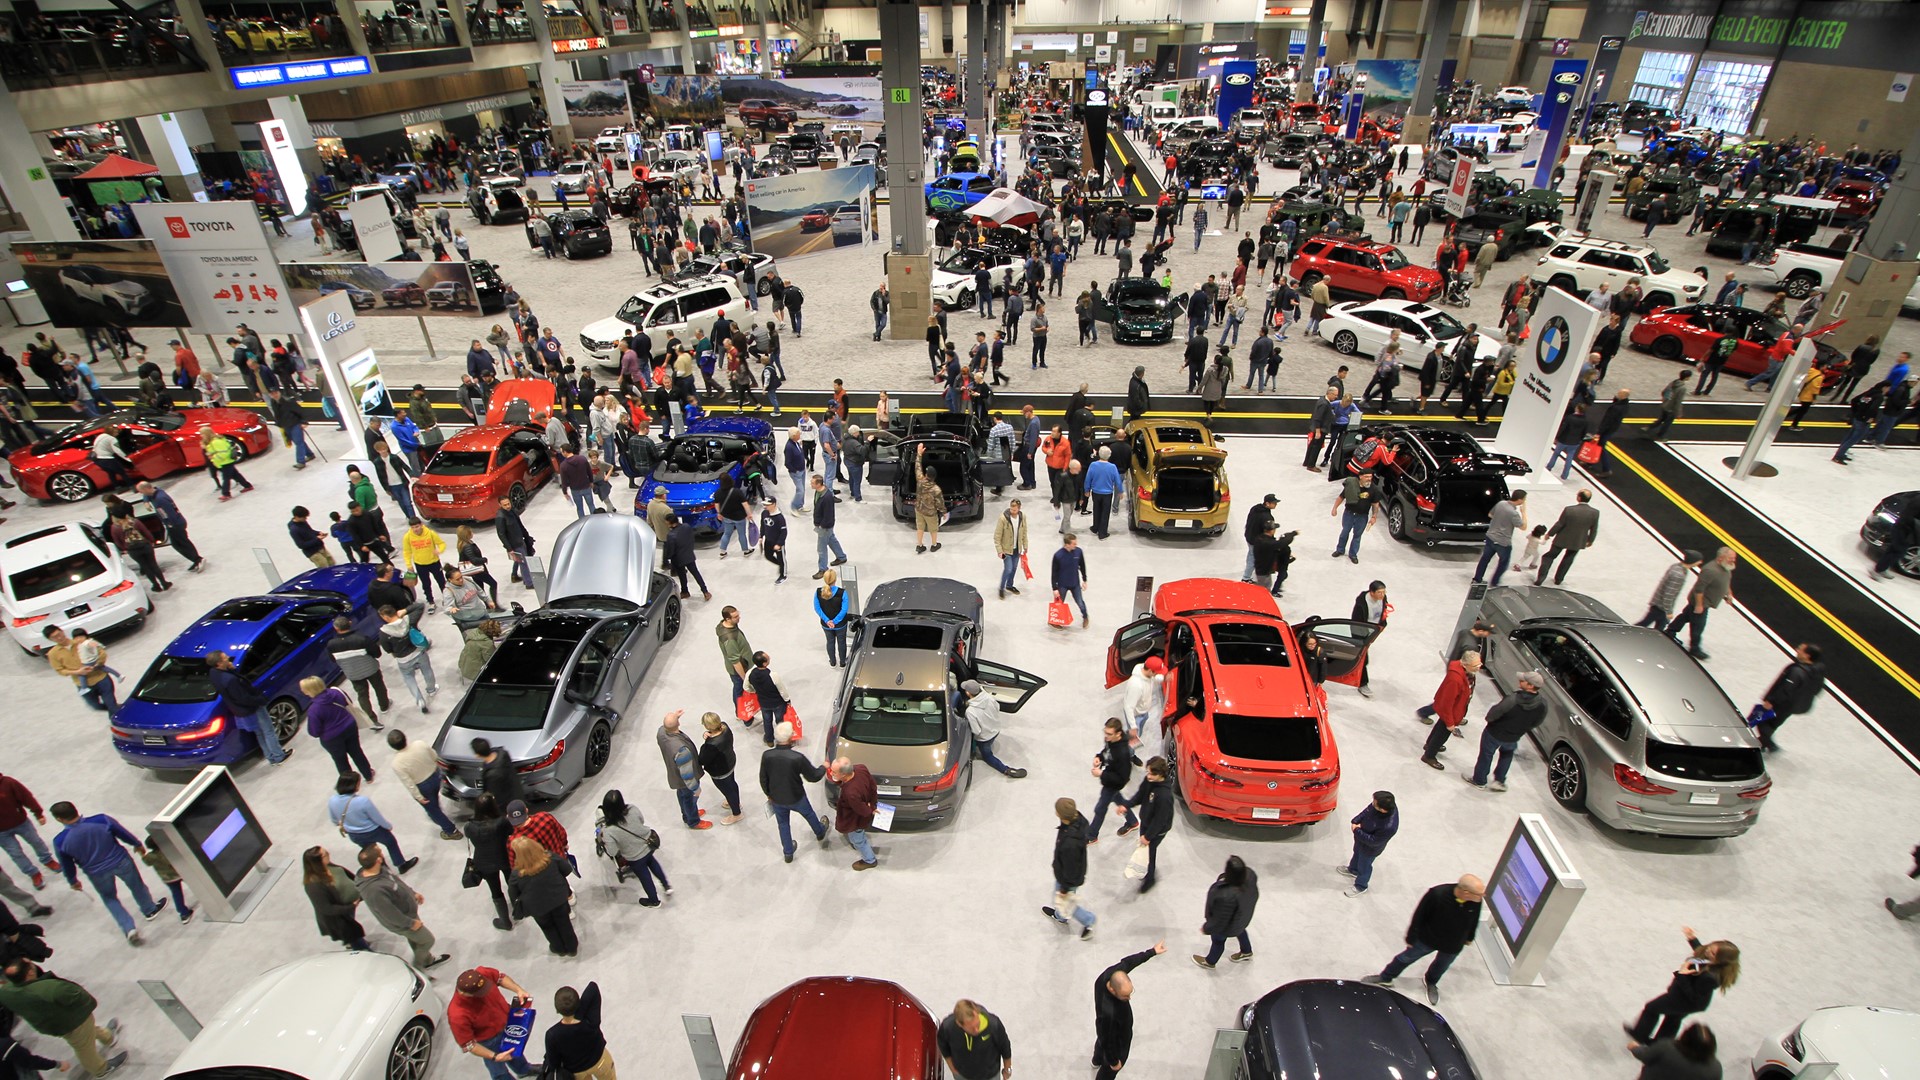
<point x="957" y="191"/>
<point x="691" y="465"/>
<point x="174" y="719"/>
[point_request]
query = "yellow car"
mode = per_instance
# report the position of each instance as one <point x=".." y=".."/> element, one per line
<point x="256" y="36"/>
<point x="1176" y="478"/>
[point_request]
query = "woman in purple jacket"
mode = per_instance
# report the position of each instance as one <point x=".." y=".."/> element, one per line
<point x="330" y="719"/>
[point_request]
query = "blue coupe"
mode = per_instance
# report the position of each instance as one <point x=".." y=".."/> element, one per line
<point x="174" y="720"/>
<point x="957" y="191"/>
<point x="691" y="465"/>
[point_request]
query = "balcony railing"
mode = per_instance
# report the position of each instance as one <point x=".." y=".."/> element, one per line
<point x="401" y="33"/>
<point x="495" y="28"/>
<point x="82" y="56"/>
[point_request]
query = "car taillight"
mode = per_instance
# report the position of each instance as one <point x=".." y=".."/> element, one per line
<point x="1146" y="493"/>
<point x="1424" y="503"/>
<point x="1773" y="258"/>
<point x="942" y="782"/>
<point x="29" y="620"/>
<point x="1498" y="233"/>
<point x="1214" y="776"/>
<point x="552" y="756"/>
<point x="120" y="588"/>
<point x="1630" y="779"/>
<point x="205" y="731"/>
<point x="1225" y="498"/>
<point x="1760" y="792"/>
<point x="123" y="733"/>
<point x="1319" y="783"/>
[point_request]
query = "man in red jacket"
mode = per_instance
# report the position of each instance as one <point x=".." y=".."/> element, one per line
<point x="477" y="1020"/>
<point x="853" y="811"/>
<point x="16" y="802"/>
<point x="1450" y="705"/>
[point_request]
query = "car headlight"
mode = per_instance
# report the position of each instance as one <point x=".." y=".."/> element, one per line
<point x="1885" y="518"/>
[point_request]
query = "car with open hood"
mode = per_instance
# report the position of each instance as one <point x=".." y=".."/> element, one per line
<point x="158" y="443"/>
<point x="70" y="576"/>
<point x="1341" y="1028"/>
<point x="1436" y="485"/>
<point x="1245" y="724"/>
<point x="868" y="1028"/>
<point x="1175" y="474"/>
<point x="174" y="719"/>
<point x="1140" y="309"/>
<point x="958" y="458"/>
<point x="898" y="710"/>
<point x="557" y="686"/>
<point x="691" y="465"/>
<point x="577" y="233"/>
<point x="506" y="456"/>
<point x="1637" y="733"/>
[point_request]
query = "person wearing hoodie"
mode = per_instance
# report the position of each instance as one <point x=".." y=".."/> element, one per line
<point x="1792" y="692"/>
<point x="1507" y="723"/>
<point x="683" y="769"/>
<point x="498" y="777"/>
<point x="983" y="719"/>
<point x="1230" y="903"/>
<point x="1450" y="705"/>
<point x="1143" y="701"/>
<point x="478" y="646"/>
<point x="1373" y="826"/>
<point x="466" y="603"/>
<point x="1113" y="766"/>
<point x="1156" y="815"/>
<point x="330" y="719"/>
<point x="359" y="658"/>
<point x="487" y="840"/>
<point x="717" y="760"/>
<point x="402" y="639"/>
<point x="773" y="537"/>
<point x="1069" y="869"/>
<point x="854" y="809"/>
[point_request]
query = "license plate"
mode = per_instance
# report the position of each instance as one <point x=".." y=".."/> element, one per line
<point x="1183" y="524"/>
<point x="1704" y="798"/>
<point x="76" y="612"/>
<point x="154" y="740"/>
<point x="889" y="789"/>
<point x="1266" y="813"/>
<point x="444" y="498"/>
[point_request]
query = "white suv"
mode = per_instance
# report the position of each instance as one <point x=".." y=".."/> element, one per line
<point x="1579" y="264"/>
<point x="662" y="311"/>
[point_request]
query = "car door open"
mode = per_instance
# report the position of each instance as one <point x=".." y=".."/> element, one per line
<point x="1011" y="687"/>
<point x="1132" y="644"/>
<point x="1344" y="641"/>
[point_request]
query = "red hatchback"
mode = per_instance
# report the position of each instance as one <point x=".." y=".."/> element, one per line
<point x="61" y="467"/>
<point x="1364" y="268"/>
<point x="1246" y="725"/>
<point x="841" y="1026"/>
<point x="467" y="477"/>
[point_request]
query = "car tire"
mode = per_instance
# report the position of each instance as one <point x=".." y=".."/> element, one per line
<point x="1656" y="300"/>
<point x="517" y="495"/>
<point x="411" y="1056"/>
<point x="670" y="621"/>
<point x="1307" y="279"/>
<point x="1801" y="284"/>
<point x="599" y="749"/>
<point x="1667" y="347"/>
<point x="763" y="287"/>
<point x="1345" y="343"/>
<point x="963" y="301"/>
<point x="1567" y="778"/>
<point x="1393" y="294"/>
<point x="1133" y="517"/>
<point x="71" y="486"/>
<point x="1397" y="520"/>
<point x="1565" y="283"/>
<point x="285" y="714"/>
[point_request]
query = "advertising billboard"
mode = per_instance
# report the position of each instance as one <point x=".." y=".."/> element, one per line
<point x="222" y="269"/>
<point x="1389" y="88"/>
<point x="387" y="289"/>
<point x="374" y="227"/>
<point x="100" y="283"/>
<point x="600" y="103"/>
<point x="850" y="100"/>
<point x="686" y="99"/>
<point x="805" y="213"/>
<point x="1558" y="336"/>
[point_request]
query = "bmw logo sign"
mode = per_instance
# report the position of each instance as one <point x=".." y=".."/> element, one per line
<point x="1551" y="350"/>
<point x="1272" y="784"/>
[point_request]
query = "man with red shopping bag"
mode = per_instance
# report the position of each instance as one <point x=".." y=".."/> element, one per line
<point x="1010" y="543"/>
<point x="1069" y="573"/>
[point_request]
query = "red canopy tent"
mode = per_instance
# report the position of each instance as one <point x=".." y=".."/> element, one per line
<point x="117" y="167"/>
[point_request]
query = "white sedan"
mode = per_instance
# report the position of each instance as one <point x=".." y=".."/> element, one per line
<point x="107" y="289"/>
<point x="1862" y="1041"/>
<point x="67" y="576"/>
<point x="953" y="280"/>
<point x="574" y="176"/>
<point x="1513" y="95"/>
<point x="1363" y="327"/>
<point x="336" y="1016"/>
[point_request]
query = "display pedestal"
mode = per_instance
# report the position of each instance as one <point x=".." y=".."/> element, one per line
<point x="1499" y="965"/>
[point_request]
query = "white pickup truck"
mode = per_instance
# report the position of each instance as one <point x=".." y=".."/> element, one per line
<point x="1802" y="268"/>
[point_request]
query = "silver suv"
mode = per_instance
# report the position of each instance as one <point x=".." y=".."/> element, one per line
<point x="1580" y="263"/>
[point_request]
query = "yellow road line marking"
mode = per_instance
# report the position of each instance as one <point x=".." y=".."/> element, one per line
<point x="1766" y="569"/>
<point x="1114" y="142"/>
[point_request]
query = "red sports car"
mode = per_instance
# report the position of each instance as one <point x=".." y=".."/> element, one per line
<point x="1246" y="725"/>
<point x="815" y="220"/>
<point x="1857" y="198"/>
<point x="60" y="467"/>
<point x="865" y="1027"/>
<point x="465" y="480"/>
<point x="1689" y="331"/>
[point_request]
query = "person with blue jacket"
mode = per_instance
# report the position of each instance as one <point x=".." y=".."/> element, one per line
<point x="246" y="704"/>
<point x="831" y="606"/>
<point x="1372" y="828"/>
<point x="1103" y="483"/>
<point x="92" y="845"/>
<point x="1070" y="572"/>
<point x="362" y="822"/>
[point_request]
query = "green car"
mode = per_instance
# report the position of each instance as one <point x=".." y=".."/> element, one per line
<point x="1681" y="190"/>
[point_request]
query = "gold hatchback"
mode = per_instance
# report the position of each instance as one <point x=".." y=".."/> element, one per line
<point x="1176" y="477"/>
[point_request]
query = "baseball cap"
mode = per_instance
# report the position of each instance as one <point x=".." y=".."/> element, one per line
<point x="471" y="982"/>
<point x="517" y="812"/>
<point x="1531" y="678"/>
<point x="1155" y="665"/>
<point x="1270" y="497"/>
<point x="173" y="341"/>
<point x="971" y="686"/>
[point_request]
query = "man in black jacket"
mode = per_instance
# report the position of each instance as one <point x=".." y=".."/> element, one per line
<point x="1113" y="1013"/>
<point x="1443" y="924"/>
<point x="974" y="1043"/>
<point x="1069" y="868"/>
<point x="1196" y="357"/>
<point x="1138" y="398"/>
<point x="1792" y="692"/>
<point x="784" y="773"/>
<point x="681" y="559"/>
<point x="824" y="501"/>
<point x="1258" y="518"/>
<point x="387" y="588"/>
<point x="369" y="531"/>
<point x="1507" y="722"/>
<point x="1114" y="766"/>
<point x="1319" y="426"/>
<point x="1610" y="422"/>
<point x="1156" y="814"/>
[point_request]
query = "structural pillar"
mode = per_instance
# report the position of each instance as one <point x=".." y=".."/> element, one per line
<point x="553" y="72"/>
<point x="290" y="112"/>
<point x="975" y="90"/>
<point x="28" y="184"/>
<point x="1875" y="278"/>
<point x="1531" y="27"/>
<point x="356" y="33"/>
<point x="1435" y="33"/>
<point x="1310" y="59"/>
<point x="908" y="266"/>
<point x="169" y="148"/>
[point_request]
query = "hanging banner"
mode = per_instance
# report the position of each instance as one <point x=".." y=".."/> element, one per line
<point x="600" y="103"/>
<point x="1558" y="339"/>
<point x="686" y="99"/>
<point x="829" y="100"/>
<point x="1455" y="199"/>
<point x="100" y="283"/>
<point x="1389" y="88"/>
<point x="1563" y="91"/>
<point x="387" y="289"/>
<point x="224" y="272"/>
<point x="335" y="331"/>
<point x="1901" y="84"/>
<point x="809" y="212"/>
<point x="1236" y="90"/>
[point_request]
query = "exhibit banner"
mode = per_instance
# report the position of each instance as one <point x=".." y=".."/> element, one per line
<point x="1559" y="336"/>
<point x="1841" y="33"/>
<point x="686" y="99"/>
<point x="1455" y="198"/>
<point x="222" y="269"/>
<point x="602" y="102"/>
<point x="85" y="283"/>
<point x="387" y="289"/>
<point x="373" y="226"/>
<point x="845" y="100"/>
<point x="334" y="327"/>
<point x="1388" y="85"/>
<point x="809" y="212"/>
<point x="1236" y="90"/>
<point x="1563" y="93"/>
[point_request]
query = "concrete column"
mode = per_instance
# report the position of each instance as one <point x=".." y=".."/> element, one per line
<point x="172" y="150"/>
<point x="1435" y="33"/>
<point x="29" y="186"/>
<point x="686" y="39"/>
<point x="1316" y="25"/>
<point x="290" y="112"/>
<point x="356" y="34"/>
<point x="766" y="35"/>
<point x="974" y="93"/>
<point x="907" y="262"/>
<point x="192" y="20"/>
<point x="1532" y="24"/>
<point x="220" y="128"/>
<point x="462" y="33"/>
<point x="554" y="72"/>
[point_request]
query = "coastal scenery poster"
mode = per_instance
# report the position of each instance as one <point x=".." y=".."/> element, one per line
<point x="844" y="100"/>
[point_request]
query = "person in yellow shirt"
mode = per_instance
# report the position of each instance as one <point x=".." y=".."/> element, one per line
<point x="420" y="550"/>
<point x="83" y="660"/>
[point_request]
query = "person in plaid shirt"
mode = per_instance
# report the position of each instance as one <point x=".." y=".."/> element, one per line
<point x="543" y="828"/>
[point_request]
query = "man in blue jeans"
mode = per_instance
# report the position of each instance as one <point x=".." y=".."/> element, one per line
<point x="1360" y="503"/>
<point x="1010" y="542"/>
<point x="1507" y="723"/>
<point x="784" y="774"/>
<point x="16" y="802"/>
<point x="419" y="768"/>
<point x="362" y="821"/>
<point x="1443" y="924"/>
<point x="1114" y="765"/>
<point x="477" y="1018"/>
<point x="248" y="706"/>
<point x="1506" y="517"/>
<point x="1373" y="826"/>
<point x="93" y="845"/>
<point x="854" y="810"/>
<point x="824" y="501"/>
<point x="1069" y="572"/>
<point x="682" y="760"/>
<point x="983" y="718"/>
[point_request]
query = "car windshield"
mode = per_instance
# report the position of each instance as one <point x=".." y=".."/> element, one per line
<point x="460" y="463"/>
<point x="896" y="719"/>
<point x="1439" y="324"/>
<point x="62" y="573"/>
<point x="966" y="262"/>
<point x="1391" y="259"/>
<point x="1704" y="762"/>
<point x="1267" y="738"/>
<point x="1657" y="264"/>
<point x="1143" y="302"/>
<point x="176" y="680"/>
<point x="634" y="311"/>
<point x="1249" y="643"/>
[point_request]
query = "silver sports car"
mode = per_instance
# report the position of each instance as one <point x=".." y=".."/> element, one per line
<point x="1637" y="733"/>
<point x="552" y="694"/>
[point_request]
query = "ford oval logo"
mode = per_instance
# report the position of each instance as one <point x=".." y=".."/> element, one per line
<point x="1239" y="78"/>
<point x="1567" y="78"/>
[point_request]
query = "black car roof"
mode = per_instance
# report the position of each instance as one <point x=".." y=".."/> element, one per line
<point x="1337" y="1028"/>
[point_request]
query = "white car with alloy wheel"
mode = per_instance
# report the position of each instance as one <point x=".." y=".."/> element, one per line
<point x="1514" y="95"/>
<point x="1363" y="328"/>
<point x="1845" y="1042"/>
<point x="69" y="576"/>
<point x="336" y="1016"/>
<point x="953" y="279"/>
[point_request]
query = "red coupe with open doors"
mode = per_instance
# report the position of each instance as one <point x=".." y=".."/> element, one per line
<point x="505" y="456"/>
<point x="1245" y="723"/>
<point x="61" y="466"/>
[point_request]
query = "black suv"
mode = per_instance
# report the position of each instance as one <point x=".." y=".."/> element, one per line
<point x="489" y="289"/>
<point x="1289" y="151"/>
<point x="577" y="233"/>
<point x="956" y="456"/>
<point x="1440" y="486"/>
<point x="804" y="147"/>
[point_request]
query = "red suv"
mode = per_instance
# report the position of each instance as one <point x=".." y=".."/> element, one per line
<point x="1246" y="726"/>
<point x="767" y="113"/>
<point x="1365" y="268"/>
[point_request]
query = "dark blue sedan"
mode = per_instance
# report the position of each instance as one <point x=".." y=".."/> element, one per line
<point x="691" y="465"/>
<point x="174" y="720"/>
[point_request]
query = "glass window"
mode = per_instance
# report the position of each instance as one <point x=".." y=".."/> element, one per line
<point x="1724" y="93"/>
<point x="1249" y="643"/>
<point x="62" y="573"/>
<point x="1660" y="78"/>
<point x="895" y="719"/>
